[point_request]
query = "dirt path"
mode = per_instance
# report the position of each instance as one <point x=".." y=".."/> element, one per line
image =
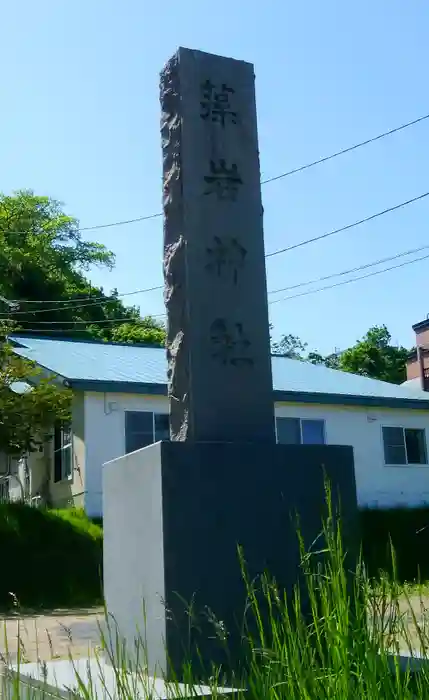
<point x="60" y="633"/>
<point x="416" y="611"/>
<point x="50" y="636"/>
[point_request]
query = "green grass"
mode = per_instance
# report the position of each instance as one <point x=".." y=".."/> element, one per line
<point x="341" y="650"/>
<point x="50" y="558"/>
<point x="53" y="558"/>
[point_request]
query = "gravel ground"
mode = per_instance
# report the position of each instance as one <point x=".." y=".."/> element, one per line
<point x="58" y="634"/>
<point x="50" y="636"/>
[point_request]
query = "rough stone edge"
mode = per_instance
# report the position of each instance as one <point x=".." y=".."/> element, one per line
<point x="175" y="283"/>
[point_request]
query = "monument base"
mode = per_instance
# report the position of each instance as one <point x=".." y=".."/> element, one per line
<point x="61" y="679"/>
<point x="68" y="679"/>
<point x="176" y="515"/>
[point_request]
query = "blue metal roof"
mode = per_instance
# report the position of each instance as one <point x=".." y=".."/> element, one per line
<point x="136" y="368"/>
<point x="95" y="361"/>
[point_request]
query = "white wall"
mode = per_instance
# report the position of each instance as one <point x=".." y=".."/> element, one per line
<point x="105" y="435"/>
<point x="377" y="484"/>
<point x="133" y="555"/>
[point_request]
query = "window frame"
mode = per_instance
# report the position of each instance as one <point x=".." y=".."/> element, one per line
<point x="153" y="414"/>
<point x="61" y="475"/>
<point x="407" y="463"/>
<point x="319" y="420"/>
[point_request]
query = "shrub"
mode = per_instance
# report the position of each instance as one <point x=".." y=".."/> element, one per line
<point x="50" y="558"/>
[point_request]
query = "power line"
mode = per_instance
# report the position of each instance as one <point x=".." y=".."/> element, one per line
<point x="266" y="181"/>
<point x="355" y="279"/>
<point x="43" y="331"/>
<point x="92" y="228"/>
<point x="349" y="226"/>
<point x="121" y="223"/>
<point x="353" y="269"/>
<point x="346" y="150"/>
<point x="71" y="305"/>
<point x="274" y="301"/>
<point x="110" y="297"/>
<point x="117" y="319"/>
<point x="95" y="301"/>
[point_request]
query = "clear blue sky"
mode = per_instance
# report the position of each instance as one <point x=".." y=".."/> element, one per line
<point x="79" y="121"/>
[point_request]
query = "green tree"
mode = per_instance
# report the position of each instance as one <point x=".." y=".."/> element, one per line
<point x="375" y="356"/>
<point x="290" y="346"/>
<point x="43" y="258"/>
<point x="147" y="331"/>
<point x="372" y="356"/>
<point x="332" y="361"/>
<point x="27" y="415"/>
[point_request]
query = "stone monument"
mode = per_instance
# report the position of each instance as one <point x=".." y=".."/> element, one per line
<point x="176" y="512"/>
<point x="215" y="285"/>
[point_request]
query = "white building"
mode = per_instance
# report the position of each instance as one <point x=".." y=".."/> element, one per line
<point x="120" y="405"/>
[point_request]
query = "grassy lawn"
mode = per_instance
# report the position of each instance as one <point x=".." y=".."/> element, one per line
<point x="63" y="551"/>
<point x="49" y="558"/>
<point x="341" y="649"/>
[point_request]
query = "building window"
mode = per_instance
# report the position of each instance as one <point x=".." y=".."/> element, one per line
<point x="63" y="460"/>
<point x="404" y="446"/>
<point x="300" y="431"/>
<point x="161" y="426"/>
<point x="143" y="428"/>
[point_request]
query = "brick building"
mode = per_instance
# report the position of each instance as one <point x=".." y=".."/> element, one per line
<point x="418" y="360"/>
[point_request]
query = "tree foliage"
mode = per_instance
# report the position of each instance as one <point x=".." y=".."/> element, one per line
<point x="43" y="258"/>
<point x="332" y="360"/>
<point x="372" y="356"/>
<point x="290" y="346"/>
<point x="27" y="415"/>
<point x="147" y="331"/>
<point x="44" y="289"/>
<point x="375" y="356"/>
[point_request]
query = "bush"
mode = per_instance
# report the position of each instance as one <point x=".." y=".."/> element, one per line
<point x="53" y="558"/>
<point x="50" y="558"/>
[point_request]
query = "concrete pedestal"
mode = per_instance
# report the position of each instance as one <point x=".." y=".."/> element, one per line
<point x="60" y="680"/>
<point x="175" y="514"/>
